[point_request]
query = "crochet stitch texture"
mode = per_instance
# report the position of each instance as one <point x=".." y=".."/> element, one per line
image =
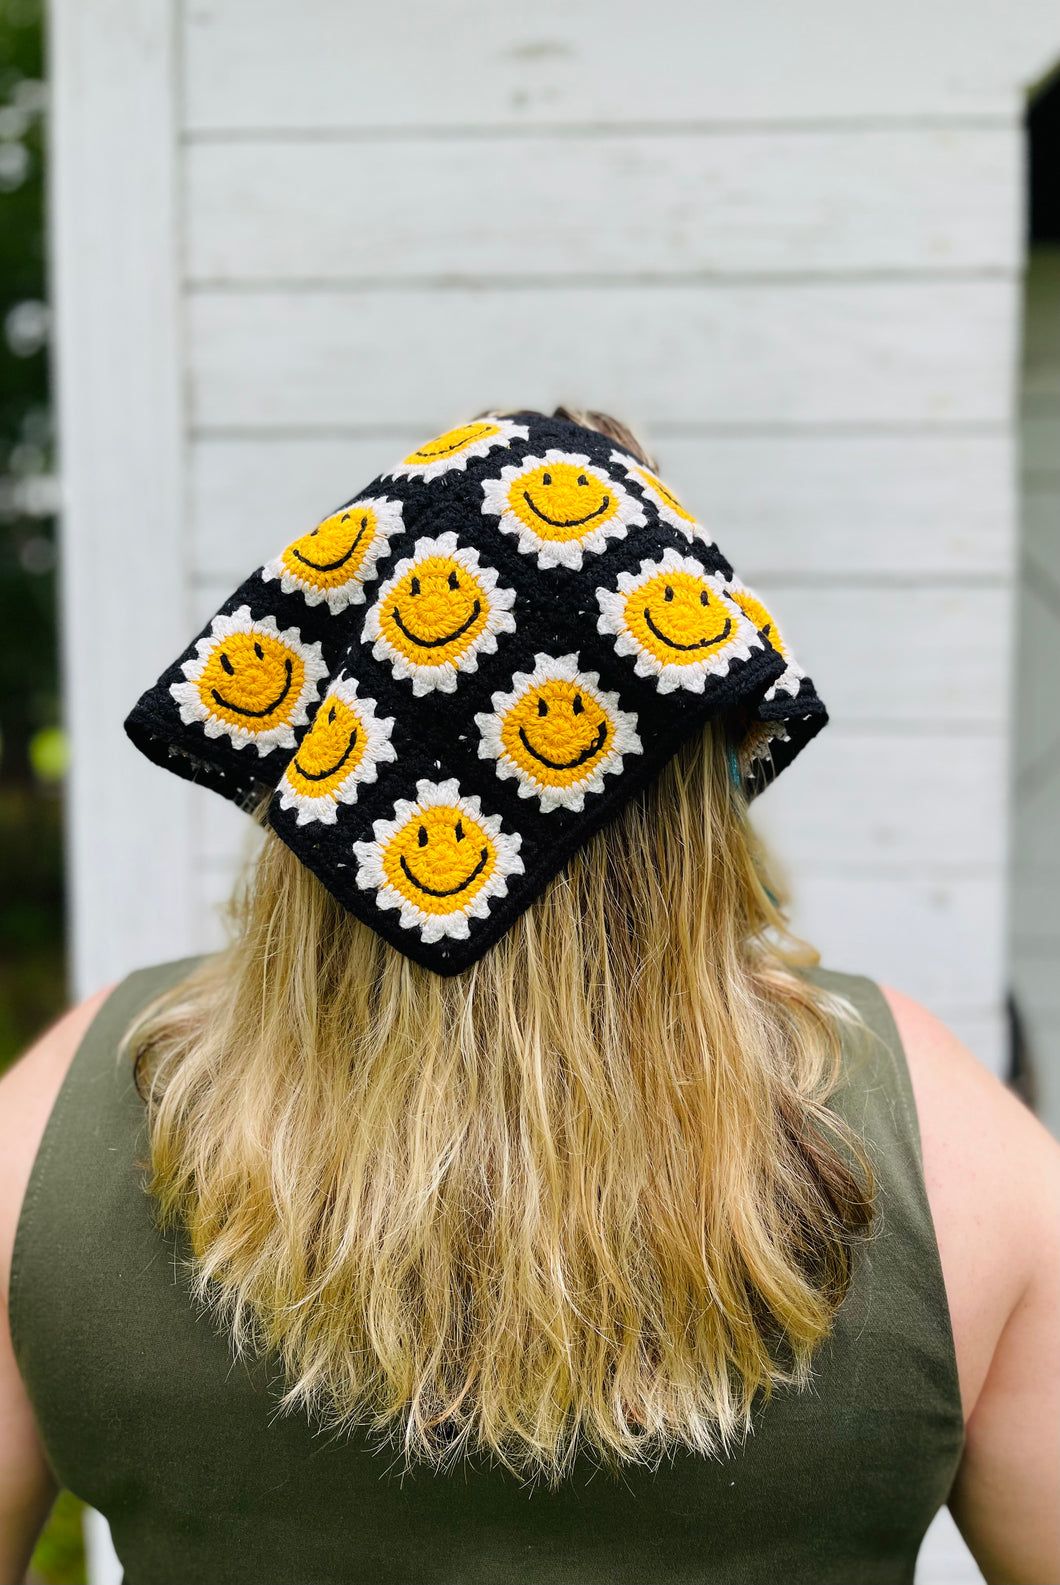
<point x="453" y="680"/>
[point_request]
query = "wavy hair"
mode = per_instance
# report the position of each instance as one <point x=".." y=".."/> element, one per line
<point x="586" y="1195"/>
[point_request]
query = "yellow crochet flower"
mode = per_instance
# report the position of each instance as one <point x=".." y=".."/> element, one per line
<point x="558" y="733"/>
<point x="456" y="447"/>
<point x="558" y="507"/>
<point x="677" y="622"/>
<point x="764" y="621"/>
<point x="250" y="682"/>
<point x="337" y="558"/>
<point x="338" y="754"/>
<point x="440" y="861"/>
<point x="662" y="497"/>
<point x="441" y="609"/>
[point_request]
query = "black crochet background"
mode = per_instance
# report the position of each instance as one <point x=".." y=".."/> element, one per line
<point x="435" y="736"/>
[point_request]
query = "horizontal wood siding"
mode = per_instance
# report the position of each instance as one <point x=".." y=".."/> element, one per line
<point x="737" y="203"/>
<point x="836" y="353"/>
<point x="268" y="64"/>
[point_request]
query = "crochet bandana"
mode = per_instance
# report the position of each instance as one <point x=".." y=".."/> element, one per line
<point x="451" y="682"/>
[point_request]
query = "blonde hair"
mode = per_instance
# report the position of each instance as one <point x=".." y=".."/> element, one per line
<point x="587" y="1193"/>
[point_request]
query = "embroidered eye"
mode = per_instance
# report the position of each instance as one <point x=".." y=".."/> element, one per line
<point x="226" y="664"/>
<point x="414" y="586"/>
<point x="582" y="479"/>
<point x="546" y="478"/>
<point x="670" y="593"/>
<point x="259" y="652"/>
<point x="331" y="716"/>
<point x="542" y="707"/>
<point x="704" y="598"/>
<point x="454" y="581"/>
<point x="458" y="831"/>
<point x="577" y="708"/>
<point x="421" y="836"/>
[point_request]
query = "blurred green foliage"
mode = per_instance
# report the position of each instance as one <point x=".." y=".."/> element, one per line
<point x="32" y="977"/>
<point x="60" y="1555"/>
<point x="29" y="697"/>
<point x="32" y="990"/>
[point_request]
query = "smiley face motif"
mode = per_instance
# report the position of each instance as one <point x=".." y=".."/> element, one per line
<point x="456" y="447"/>
<point x="440" y="861"/>
<point x="338" y="754"/>
<point x="560" y="507"/>
<point x="662" y="498"/>
<point x="336" y="559"/>
<point x="250" y="682"/>
<point x="558" y="733"/>
<point x="441" y="609"/>
<point x="760" y="615"/>
<point x="677" y="622"/>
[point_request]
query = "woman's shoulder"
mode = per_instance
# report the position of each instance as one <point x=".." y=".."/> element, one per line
<point x="990" y="1170"/>
<point x="27" y="1094"/>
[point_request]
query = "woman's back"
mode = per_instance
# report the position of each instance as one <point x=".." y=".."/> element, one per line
<point x="144" y="1413"/>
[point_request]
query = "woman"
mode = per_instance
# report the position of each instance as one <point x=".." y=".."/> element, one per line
<point x="523" y="1205"/>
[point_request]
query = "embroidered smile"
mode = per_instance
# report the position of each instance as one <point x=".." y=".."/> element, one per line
<point x="450" y="891"/>
<point x="570" y="522"/>
<point x="700" y="643"/>
<point x="322" y="775"/>
<point x="437" y="643"/>
<point x="443" y="451"/>
<point x="256" y="714"/>
<point x="586" y="754"/>
<point x="333" y="566"/>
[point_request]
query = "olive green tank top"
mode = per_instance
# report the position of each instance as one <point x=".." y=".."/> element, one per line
<point x="145" y="1414"/>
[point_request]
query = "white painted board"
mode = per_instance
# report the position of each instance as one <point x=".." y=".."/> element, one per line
<point x="843" y="354"/>
<point x="898" y="801"/>
<point x="752" y="202"/>
<point x="936" y="657"/>
<point x="266" y="63"/>
<point x="938" y="938"/>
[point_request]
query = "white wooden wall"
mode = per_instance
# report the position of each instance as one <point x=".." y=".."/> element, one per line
<point x="784" y="240"/>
